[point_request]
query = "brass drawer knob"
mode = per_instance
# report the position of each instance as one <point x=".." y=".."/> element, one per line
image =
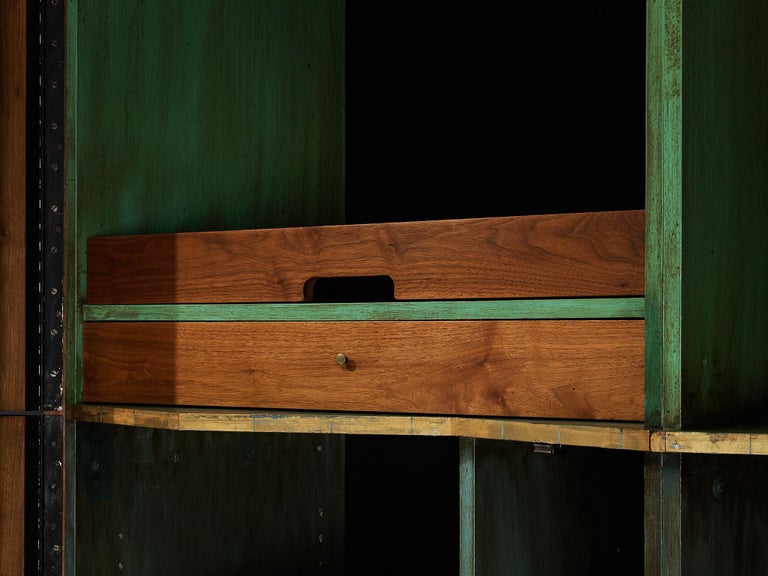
<point x="341" y="359"/>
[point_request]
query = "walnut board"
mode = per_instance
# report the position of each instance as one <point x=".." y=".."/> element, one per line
<point x="590" y="254"/>
<point x="574" y="369"/>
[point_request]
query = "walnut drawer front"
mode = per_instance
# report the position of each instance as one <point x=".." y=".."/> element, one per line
<point x="591" y="254"/>
<point x="583" y="369"/>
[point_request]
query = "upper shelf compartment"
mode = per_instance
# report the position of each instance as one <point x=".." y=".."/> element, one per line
<point x="489" y="110"/>
<point x="598" y="254"/>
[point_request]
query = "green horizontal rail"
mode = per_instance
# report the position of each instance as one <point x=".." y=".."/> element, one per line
<point x="434" y="310"/>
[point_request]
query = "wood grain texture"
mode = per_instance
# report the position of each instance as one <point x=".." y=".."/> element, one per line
<point x="586" y="369"/>
<point x="563" y="255"/>
<point x="12" y="496"/>
<point x="12" y="203"/>
<point x="12" y="272"/>
<point x="614" y="435"/>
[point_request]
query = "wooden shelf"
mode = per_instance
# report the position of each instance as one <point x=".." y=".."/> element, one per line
<point x="751" y="441"/>
<point x="613" y="435"/>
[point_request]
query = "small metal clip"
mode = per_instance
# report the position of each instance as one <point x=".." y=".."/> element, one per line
<point x="546" y="448"/>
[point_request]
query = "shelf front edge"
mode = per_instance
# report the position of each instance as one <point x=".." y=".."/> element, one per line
<point x="613" y="435"/>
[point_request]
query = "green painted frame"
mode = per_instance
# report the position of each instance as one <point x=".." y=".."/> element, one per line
<point x="706" y="214"/>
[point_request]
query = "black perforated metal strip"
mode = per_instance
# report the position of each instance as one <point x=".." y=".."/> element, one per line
<point x="44" y="474"/>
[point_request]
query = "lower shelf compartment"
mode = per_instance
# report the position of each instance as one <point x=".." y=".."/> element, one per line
<point x="172" y="502"/>
<point x="575" y="369"/>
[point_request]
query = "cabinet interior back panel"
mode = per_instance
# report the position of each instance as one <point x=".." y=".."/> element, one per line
<point x="208" y="114"/>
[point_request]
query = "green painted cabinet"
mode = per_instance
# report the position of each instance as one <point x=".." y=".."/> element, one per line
<point x="707" y="204"/>
<point x="235" y="114"/>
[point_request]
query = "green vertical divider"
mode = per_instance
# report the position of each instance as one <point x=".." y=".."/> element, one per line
<point x="72" y="298"/>
<point x="663" y="221"/>
<point x="707" y="213"/>
<point x="467" y="506"/>
<point x="706" y="271"/>
<point x="74" y="273"/>
<point x="663" y="514"/>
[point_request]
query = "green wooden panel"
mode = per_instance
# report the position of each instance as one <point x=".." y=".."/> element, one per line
<point x="467" y="465"/>
<point x="724" y="515"/>
<point x="206" y="114"/>
<point x="662" y="514"/>
<point x="200" y="115"/>
<point x="725" y="212"/>
<point x="707" y="213"/>
<point x="662" y="213"/>
<point x="198" y="503"/>
<point x="577" y="511"/>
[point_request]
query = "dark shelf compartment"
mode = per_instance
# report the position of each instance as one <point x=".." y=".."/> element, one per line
<point x="494" y="112"/>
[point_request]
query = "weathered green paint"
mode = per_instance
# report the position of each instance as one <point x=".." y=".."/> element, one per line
<point x="74" y="274"/>
<point x="706" y="272"/>
<point x="208" y="115"/>
<point x="707" y="213"/>
<point x="662" y="519"/>
<point x="652" y="530"/>
<point x="69" y="500"/>
<point x="467" y="506"/>
<point x="444" y="310"/>
<point x="662" y="216"/>
<point x="725" y="213"/>
<point x="576" y="511"/>
<point x="200" y="116"/>
<point x="180" y="503"/>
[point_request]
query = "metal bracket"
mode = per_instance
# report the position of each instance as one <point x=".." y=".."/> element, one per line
<point x="547" y="448"/>
<point x="46" y="75"/>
